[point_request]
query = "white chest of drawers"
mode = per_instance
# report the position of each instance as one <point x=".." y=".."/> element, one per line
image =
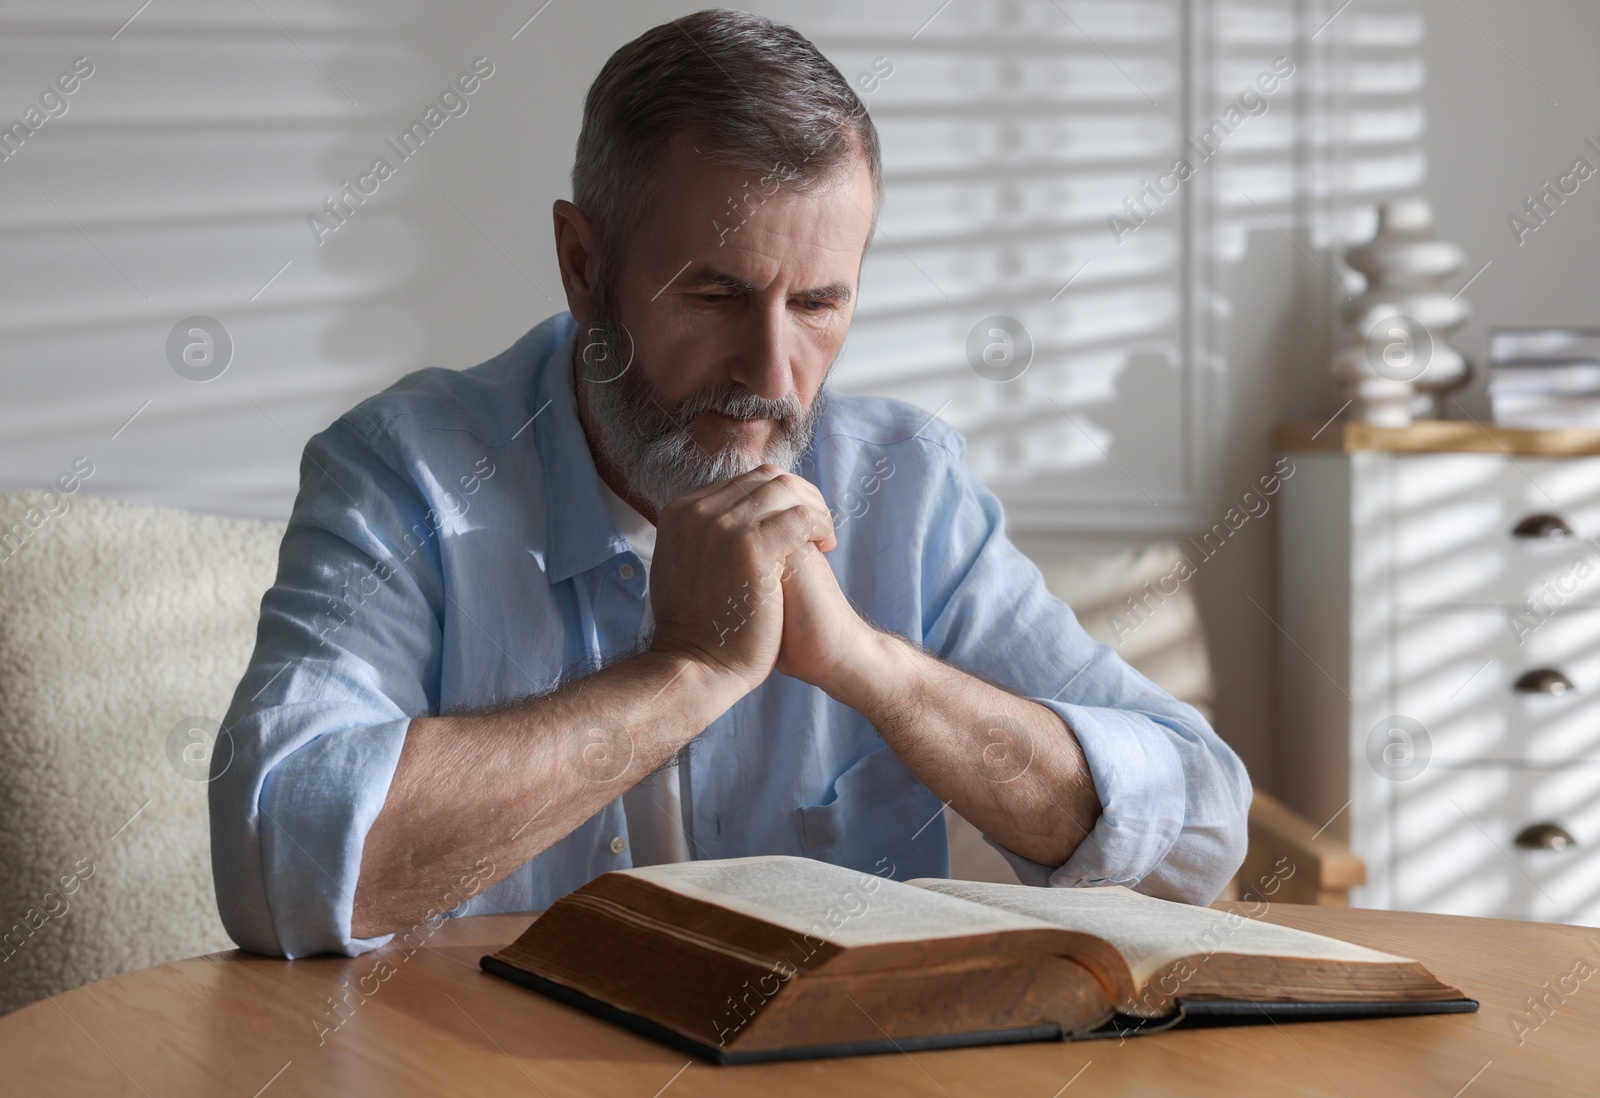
<point x="1439" y="662"/>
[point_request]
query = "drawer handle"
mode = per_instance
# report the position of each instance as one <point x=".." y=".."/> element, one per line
<point x="1545" y="836"/>
<point x="1542" y="680"/>
<point x="1546" y="526"/>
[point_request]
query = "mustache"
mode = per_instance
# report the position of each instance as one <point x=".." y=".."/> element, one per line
<point x="738" y="403"/>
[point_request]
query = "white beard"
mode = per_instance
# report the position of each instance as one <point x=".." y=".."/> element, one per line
<point x="651" y="448"/>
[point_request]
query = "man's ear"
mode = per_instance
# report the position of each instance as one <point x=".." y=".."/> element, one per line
<point x="576" y="254"/>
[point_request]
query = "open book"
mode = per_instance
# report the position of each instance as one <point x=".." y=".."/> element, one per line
<point x="769" y="958"/>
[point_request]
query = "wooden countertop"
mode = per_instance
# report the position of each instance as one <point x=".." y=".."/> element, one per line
<point x="234" y="1023"/>
<point x="1434" y="436"/>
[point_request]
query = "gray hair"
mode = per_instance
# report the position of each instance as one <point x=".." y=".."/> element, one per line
<point x="758" y="96"/>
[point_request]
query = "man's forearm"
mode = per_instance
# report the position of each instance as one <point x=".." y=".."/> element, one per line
<point x="1008" y="764"/>
<point x="501" y="787"/>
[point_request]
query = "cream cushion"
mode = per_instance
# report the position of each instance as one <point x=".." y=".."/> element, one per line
<point x="118" y="623"/>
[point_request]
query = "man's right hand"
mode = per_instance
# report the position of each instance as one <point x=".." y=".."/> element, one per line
<point x="716" y="582"/>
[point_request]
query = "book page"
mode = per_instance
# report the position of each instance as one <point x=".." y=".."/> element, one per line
<point x="1152" y="933"/>
<point x="829" y="902"/>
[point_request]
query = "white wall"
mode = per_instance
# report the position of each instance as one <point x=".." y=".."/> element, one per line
<point x="180" y="181"/>
<point x="1511" y="98"/>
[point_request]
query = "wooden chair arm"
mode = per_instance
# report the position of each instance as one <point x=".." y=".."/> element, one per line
<point x="1290" y="862"/>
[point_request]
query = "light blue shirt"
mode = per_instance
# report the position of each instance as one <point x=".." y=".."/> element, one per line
<point x="450" y="548"/>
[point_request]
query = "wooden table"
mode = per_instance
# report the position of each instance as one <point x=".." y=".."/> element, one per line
<point x="234" y="1023"/>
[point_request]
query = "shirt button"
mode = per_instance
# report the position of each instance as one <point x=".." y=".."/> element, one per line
<point x="627" y="573"/>
<point x="619" y="844"/>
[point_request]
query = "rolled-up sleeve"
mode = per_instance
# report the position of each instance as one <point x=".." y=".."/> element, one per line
<point x="1174" y="798"/>
<point x="347" y="652"/>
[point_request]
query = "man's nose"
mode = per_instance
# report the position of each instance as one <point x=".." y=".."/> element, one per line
<point x="762" y="356"/>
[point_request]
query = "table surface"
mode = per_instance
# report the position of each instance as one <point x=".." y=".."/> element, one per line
<point x="236" y="1023"/>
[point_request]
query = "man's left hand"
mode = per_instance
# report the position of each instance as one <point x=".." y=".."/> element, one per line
<point x="820" y="627"/>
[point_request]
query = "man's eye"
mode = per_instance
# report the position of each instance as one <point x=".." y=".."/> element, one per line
<point x="813" y="305"/>
<point x="712" y="299"/>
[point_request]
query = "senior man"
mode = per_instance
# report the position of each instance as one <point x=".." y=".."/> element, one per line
<point x="587" y="606"/>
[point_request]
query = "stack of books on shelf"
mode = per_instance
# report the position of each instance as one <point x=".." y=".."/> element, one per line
<point x="1545" y="379"/>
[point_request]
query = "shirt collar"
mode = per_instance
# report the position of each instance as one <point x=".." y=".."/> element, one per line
<point x="580" y="530"/>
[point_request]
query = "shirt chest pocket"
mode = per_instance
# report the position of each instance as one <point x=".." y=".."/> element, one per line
<point x="876" y="802"/>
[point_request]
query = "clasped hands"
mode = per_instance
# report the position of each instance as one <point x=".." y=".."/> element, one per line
<point x="739" y="583"/>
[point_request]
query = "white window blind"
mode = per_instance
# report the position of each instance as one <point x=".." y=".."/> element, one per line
<point x="1011" y="132"/>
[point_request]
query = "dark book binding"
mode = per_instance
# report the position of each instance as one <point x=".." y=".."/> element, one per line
<point x="717" y="1055"/>
<point x="1190" y="1014"/>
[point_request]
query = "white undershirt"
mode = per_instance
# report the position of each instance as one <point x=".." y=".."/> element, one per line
<point x="640" y="531"/>
<point x="654" y="807"/>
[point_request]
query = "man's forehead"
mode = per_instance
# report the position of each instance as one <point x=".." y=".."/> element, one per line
<point x="711" y="213"/>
